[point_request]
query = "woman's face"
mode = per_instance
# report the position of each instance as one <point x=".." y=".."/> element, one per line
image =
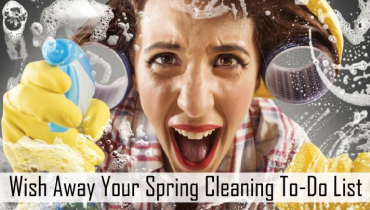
<point x="196" y="79"/>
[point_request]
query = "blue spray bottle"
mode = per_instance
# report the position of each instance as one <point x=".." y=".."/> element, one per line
<point x="69" y="57"/>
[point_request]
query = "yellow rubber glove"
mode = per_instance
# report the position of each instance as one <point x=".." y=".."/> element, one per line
<point x="309" y="159"/>
<point x="37" y="100"/>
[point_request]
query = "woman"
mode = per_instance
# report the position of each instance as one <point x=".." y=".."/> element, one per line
<point x="193" y="87"/>
<point x="196" y="79"/>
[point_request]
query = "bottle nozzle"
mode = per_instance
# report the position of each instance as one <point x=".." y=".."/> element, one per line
<point x="58" y="52"/>
<point x="50" y="44"/>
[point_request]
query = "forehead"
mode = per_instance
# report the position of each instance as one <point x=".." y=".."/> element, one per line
<point x="161" y="19"/>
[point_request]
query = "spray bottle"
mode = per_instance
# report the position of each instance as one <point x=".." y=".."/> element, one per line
<point x="69" y="57"/>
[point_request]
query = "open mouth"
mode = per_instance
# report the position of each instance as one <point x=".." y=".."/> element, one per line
<point x="195" y="145"/>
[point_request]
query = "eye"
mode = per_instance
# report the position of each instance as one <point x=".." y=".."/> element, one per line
<point x="165" y="59"/>
<point x="225" y="60"/>
<point x="166" y="64"/>
<point x="228" y="60"/>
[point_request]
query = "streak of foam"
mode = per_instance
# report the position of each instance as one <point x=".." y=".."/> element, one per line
<point x="138" y="145"/>
<point x="350" y="133"/>
<point x="367" y="89"/>
<point x="139" y="132"/>
<point x="96" y="60"/>
<point x="355" y="98"/>
<point x="25" y="156"/>
<point x="345" y="80"/>
<point x="244" y="7"/>
<point x="210" y="9"/>
<point x="125" y="132"/>
<point x="301" y="2"/>
<point x="8" y="206"/>
<point x="72" y="14"/>
<point x="341" y="141"/>
<point x="14" y="21"/>
<point x="121" y="160"/>
<point x="353" y="135"/>
<point x="361" y="24"/>
<point x="365" y="128"/>
<point x="359" y="99"/>
<point x="112" y="40"/>
<point x="362" y="65"/>
<point x="126" y="27"/>
<point x="4" y="164"/>
<point x="13" y="81"/>
<point x="319" y="124"/>
<point x="319" y="119"/>
<point x="365" y="76"/>
<point x="308" y="121"/>
<point x="357" y="118"/>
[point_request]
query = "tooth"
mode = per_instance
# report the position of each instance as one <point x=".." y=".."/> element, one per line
<point x="184" y="133"/>
<point x="178" y="130"/>
<point x="205" y="134"/>
<point x="191" y="135"/>
<point x="209" y="132"/>
<point x="198" y="135"/>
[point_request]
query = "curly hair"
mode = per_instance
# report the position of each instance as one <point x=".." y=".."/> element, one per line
<point x="286" y="22"/>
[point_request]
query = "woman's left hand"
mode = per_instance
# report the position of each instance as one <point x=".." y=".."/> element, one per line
<point x="310" y="159"/>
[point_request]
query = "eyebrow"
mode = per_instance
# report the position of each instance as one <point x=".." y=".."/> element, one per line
<point x="162" y="45"/>
<point x="224" y="48"/>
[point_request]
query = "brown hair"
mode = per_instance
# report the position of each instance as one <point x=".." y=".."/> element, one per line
<point x="286" y="23"/>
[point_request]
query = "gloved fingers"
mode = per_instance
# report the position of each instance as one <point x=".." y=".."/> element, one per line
<point x="89" y="167"/>
<point x="46" y="151"/>
<point x="46" y="76"/>
<point x="10" y="131"/>
<point x="94" y="155"/>
<point x="96" y="119"/>
<point x="308" y="159"/>
<point x="84" y="144"/>
<point x="340" y="164"/>
<point x="362" y="163"/>
<point x="15" y="125"/>
<point x="44" y="105"/>
<point x="89" y="150"/>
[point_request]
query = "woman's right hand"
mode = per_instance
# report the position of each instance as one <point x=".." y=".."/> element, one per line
<point x="37" y="100"/>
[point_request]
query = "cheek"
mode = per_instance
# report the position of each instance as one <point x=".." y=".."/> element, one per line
<point x="156" y="96"/>
<point x="237" y="101"/>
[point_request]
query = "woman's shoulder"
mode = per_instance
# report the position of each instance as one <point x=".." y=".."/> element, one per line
<point x="265" y="113"/>
<point x="277" y="137"/>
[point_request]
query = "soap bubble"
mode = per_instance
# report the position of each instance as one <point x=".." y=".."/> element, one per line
<point x="37" y="29"/>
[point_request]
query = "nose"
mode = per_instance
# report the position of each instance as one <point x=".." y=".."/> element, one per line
<point x="196" y="97"/>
